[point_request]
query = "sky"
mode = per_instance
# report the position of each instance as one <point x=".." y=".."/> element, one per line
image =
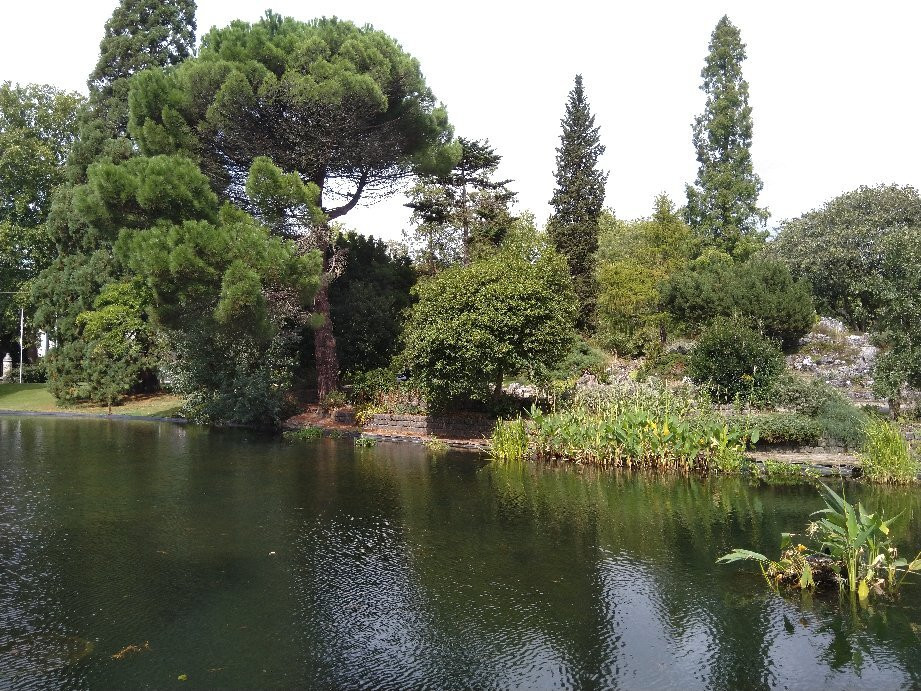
<point x="834" y="85"/>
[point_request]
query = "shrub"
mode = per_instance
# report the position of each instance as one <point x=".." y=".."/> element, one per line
<point x="761" y="291"/>
<point x="501" y="315"/>
<point x="33" y="373"/>
<point x="733" y="360"/>
<point x="841" y="422"/>
<point x="802" y="394"/>
<point x="582" y="357"/>
<point x="886" y="456"/>
<point x="786" y="428"/>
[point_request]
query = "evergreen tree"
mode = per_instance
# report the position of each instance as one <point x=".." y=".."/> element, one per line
<point x="140" y="34"/>
<point x="85" y="218"/>
<point x="723" y="202"/>
<point x="461" y="209"/>
<point x="298" y="122"/>
<point x="578" y="198"/>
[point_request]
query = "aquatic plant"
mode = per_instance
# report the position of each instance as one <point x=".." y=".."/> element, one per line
<point x="436" y="445"/>
<point x="776" y="472"/>
<point x="365" y="442"/>
<point x="303" y="434"/>
<point x="850" y="547"/>
<point x="886" y="455"/>
<point x="509" y="443"/>
<point x="634" y="434"/>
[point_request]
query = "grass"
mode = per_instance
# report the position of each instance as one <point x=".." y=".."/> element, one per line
<point x="886" y="455"/>
<point x="35" y="398"/>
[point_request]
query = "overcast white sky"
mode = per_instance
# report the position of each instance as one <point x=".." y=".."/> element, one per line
<point x="834" y="85"/>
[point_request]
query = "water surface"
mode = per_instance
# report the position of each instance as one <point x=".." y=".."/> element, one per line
<point x="244" y="561"/>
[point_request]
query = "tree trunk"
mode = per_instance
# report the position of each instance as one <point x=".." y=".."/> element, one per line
<point x="325" y="343"/>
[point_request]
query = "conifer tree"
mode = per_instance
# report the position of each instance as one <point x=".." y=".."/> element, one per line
<point x="723" y="202"/>
<point x="460" y="209"/>
<point x="578" y="198"/>
<point x="139" y="35"/>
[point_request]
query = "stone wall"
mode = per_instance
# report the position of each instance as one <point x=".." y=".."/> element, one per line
<point x="458" y="426"/>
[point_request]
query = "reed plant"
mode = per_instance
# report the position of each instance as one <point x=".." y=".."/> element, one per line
<point x="509" y="443"/>
<point x="886" y="454"/>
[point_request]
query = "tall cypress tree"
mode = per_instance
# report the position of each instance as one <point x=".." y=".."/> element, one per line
<point x="723" y="202"/>
<point x="578" y="198"/>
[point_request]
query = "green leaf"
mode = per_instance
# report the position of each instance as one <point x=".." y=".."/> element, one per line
<point x="741" y="555"/>
<point x="805" y="579"/>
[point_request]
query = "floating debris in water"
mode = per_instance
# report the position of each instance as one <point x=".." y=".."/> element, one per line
<point x="131" y="650"/>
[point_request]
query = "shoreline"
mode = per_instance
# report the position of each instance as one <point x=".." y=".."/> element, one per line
<point x="92" y="416"/>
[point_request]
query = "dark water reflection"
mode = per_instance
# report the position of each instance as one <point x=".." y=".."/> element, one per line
<point x="247" y="562"/>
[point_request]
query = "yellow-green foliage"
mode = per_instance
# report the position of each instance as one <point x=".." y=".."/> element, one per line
<point x="633" y="258"/>
<point x="509" y="442"/>
<point x="886" y="455"/>
<point x="644" y="427"/>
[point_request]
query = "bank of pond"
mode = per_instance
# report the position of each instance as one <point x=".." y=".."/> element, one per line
<point x="152" y="554"/>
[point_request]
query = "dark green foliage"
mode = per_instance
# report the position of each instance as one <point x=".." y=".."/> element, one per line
<point x="582" y="358"/>
<point x="314" y="117"/>
<point x="457" y="211"/>
<point x="733" y="360"/>
<point x="759" y="290"/>
<point x="785" y="428"/>
<point x="502" y="315"/>
<point x="68" y="288"/>
<point x="367" y="302"/>
<point x="839" y="249"/>
<point x="723" y="202"/>
<point x="765" y="292"/>
<point x="899" y="317"/>
<point x="140" y="34"/>
<point x="286" y="89"/>
<point x="230" y="296"/>
<point x="694" y="295"/>
<point x="578" y="198"/>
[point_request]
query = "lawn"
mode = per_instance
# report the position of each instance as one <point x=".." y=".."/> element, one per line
<point x="36" y="398"/>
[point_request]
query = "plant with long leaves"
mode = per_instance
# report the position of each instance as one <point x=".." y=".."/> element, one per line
<point x="853" y="549"/>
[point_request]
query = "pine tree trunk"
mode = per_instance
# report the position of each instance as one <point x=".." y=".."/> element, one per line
<point x="325" y="343"/>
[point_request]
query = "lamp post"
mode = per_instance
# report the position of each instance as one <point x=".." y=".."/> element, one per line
<point x="22" y="324"/>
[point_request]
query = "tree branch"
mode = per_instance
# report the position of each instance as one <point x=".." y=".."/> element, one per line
<point x="350" y="204"/>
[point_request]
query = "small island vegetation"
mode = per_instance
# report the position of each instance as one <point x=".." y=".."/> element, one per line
<point x="185" y="230"/>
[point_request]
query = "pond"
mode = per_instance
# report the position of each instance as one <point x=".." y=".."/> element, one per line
<point x="229" y="558"/>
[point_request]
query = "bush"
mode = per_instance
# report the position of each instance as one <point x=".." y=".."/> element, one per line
<point x="733" y="360"/>
<point x="786" y="428"/>
<point x="582" y="358"/>
<point x="505" y="314"/>
<point x="761" y="291"/>
<point x="886" y="456"/>
<point x="799" y="393"/>
<point x="842" y="422"/>
<point x="33" y="373"/>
